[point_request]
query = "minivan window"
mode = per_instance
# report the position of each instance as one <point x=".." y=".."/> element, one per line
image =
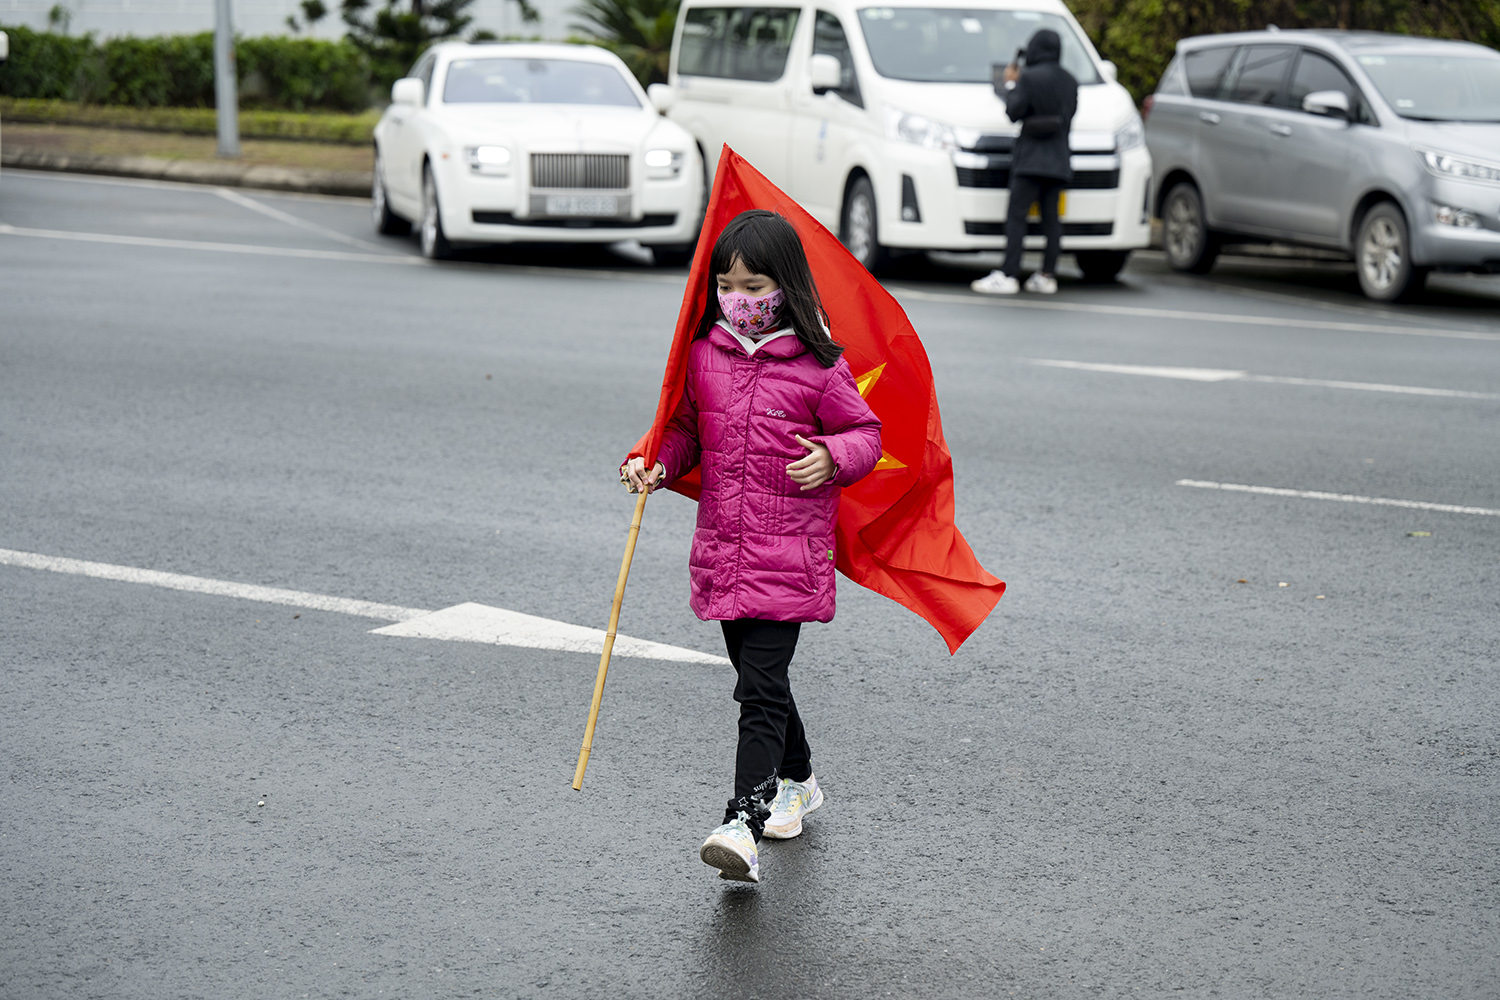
<point x="1438" y="88"/>
<point x="1261" y="71"/>
<point x="737" y="43"/>
<point x="829" y="39"/>
<point x="958" y="45"/>
<point x="1316" y="72"/>
<point x="536" y="81"/>
<point x="1205" y="70"/>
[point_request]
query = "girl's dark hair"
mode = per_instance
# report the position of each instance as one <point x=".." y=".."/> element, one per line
<point x="767" y="244"/>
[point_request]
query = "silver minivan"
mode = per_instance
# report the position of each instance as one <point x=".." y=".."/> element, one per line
<point x="1385" y="147"/>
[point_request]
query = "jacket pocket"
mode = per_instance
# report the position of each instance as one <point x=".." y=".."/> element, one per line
<point x="816" y="554"/>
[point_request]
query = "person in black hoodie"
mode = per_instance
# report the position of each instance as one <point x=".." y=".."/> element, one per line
<point x="1043" y="98"/>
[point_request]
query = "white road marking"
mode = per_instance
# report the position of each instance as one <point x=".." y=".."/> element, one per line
<point x="231" y="195"/>
<point x="201" y="245"/>
<point x="1156" y="371"/>
<point x="1237" y="319"/>
<point x="151" y="182"/>
<point x="481" y="623"/>
<point x="1277" y="491"/>
<point x="1232" y="375"/>
<point x="460" y="623"/>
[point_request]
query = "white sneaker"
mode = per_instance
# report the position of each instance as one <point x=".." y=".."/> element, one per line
<point x="1042" y="284"/>
<point x="996" y="283"/>
<point x="794" y="800"/>
<point x="731" y="849"/>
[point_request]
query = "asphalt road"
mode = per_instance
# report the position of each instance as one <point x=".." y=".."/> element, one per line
<point x="1211" y="743"/>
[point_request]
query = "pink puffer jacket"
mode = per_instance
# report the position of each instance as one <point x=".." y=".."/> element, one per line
<point x="763" y="547"/>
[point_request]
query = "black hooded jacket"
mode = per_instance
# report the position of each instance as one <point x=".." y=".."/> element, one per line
<point x="1043" y="101"/>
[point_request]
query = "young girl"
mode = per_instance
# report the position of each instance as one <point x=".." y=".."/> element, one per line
<point x="771" y="412"/>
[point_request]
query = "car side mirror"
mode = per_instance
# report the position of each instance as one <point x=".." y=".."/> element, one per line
<point x="826" y="72"/>
<point x="408" y="90"/>
<point x="4" y="46"/>
<point x="662" y="97"/>
<point x="1111" y="71"/>
<point x="1329" y="103"/>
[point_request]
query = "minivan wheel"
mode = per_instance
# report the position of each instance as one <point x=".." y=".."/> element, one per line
<point x="387" y="223"/>
<point x="435" y="245"/>
<point x="1189" y="244"/>
<point x="1101" y="266"/>
<point x="1382" y="256"/>
<point x="859" y="230"/>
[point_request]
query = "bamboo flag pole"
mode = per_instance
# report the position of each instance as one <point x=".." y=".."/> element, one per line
<point x="609" y="643"/>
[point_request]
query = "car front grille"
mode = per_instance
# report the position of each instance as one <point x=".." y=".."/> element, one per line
<point x="593" y="171"/>
<point x="1083" y="180"/>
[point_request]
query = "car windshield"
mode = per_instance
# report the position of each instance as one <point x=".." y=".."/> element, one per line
<point x="536" y="81"/>
<point x="1438" y="88"/>
<point x="938" y="45"/>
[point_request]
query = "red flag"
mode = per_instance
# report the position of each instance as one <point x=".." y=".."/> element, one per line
<point x="896" y="534"/>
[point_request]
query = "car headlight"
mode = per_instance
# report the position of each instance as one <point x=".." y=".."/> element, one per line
<point x="1444" y="165"/>
<point x="491" y="160"/>
<point x="1130" y="135"/>
<point x="920" y="131"/>
<point x="663" y="164"/>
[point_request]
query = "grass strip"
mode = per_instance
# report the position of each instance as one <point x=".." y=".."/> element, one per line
<point x="329" y="126"/>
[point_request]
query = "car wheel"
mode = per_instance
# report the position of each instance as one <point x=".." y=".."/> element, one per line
<point x="1382" y="256"/>
<point x="1101" y="266"/>
<point x="1189" y="244"/>
<point x="859" y="230"/>
<point x="387" y="223"/>
<point x="435" y="245"/>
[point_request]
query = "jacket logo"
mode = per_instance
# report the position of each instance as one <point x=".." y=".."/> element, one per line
<point x="775" y="413"/>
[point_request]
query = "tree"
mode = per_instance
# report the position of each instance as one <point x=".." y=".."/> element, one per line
<point x="1140" y="35"/>
<point x="638" y="31"/>
<point x="395" y="32"/>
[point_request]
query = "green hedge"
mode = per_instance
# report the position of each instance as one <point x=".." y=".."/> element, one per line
<point x="292" y="74"/>
<point x="317" y="126"/>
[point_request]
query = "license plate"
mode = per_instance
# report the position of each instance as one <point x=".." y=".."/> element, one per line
<point x="595" y="205"/>
<point x="1062" y="207"/>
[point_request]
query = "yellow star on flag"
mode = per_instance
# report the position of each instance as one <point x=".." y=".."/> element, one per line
<point x="864" y="383"/>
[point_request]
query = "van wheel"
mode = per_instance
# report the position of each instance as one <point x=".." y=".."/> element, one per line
<point x="1101" y="266"/>
<point x="859" y="230"/>
<point x="1189" y="244"/>
<point x="387" y="223"/>
<point x="435" y="245"/>
<point x="1383" y="256"/>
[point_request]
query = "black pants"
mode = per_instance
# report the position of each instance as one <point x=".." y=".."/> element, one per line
<point x="773" y="744"/>
<point x="1025" y="191"/>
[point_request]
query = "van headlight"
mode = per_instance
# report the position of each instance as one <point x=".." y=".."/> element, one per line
<point x="1444" y="165"/>
<point x="663" y="164"/>
<point x="493" y="161"/>
<point x="920" y="131"/>
<point x="1130" y="135"/>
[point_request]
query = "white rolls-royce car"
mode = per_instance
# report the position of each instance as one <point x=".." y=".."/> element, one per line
<point x="525" y="143"/>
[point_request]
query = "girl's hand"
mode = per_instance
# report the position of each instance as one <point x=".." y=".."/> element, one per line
<point x="813" y="469"/>
<point x="634" y="475"/>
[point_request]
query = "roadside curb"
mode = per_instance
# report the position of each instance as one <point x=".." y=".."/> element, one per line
<point x="300" y="179"/>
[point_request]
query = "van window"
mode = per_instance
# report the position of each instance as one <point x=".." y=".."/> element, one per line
<point x="1315" y="72"/>
<point x="1261" y="72"/>
<point x="829" y="39"/>
<point x="737" y="43"/>
<point x="939" y="45"/>
<point x="1205" y="70"/>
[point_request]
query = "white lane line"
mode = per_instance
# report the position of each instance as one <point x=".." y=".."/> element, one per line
<point x="200" y="245"/>
<point x="1238" y="319"/>
<point x="1233" y="375"/>
<point x="649" y="277"/>
<point x="151" y="182"/>
<point x="1277" y="491"/>
<point x="460" y="623"/>
<point x="244" y="201"/>
<point x="1155" y="371"/>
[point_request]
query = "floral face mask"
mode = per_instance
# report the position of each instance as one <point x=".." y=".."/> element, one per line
<point x="752" y="316"/>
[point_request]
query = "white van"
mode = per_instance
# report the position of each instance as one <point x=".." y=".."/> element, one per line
<point x="883" y="122"/>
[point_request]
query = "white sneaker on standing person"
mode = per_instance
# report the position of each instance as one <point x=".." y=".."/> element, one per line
<point x="1041" y="284"/>
<point x="996" y="283"/>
